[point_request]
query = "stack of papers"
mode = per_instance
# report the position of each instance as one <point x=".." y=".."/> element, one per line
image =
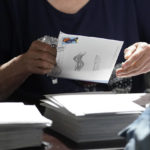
<point x="20" y="126"/>
<point x="85" y="58"/>
<point x="91" y="117"/>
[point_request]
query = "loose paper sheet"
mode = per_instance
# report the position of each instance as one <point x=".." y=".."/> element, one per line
<point x="86" y="58"/>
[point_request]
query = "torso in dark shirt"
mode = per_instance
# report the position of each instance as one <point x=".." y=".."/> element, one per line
<point x="27" y="20"/>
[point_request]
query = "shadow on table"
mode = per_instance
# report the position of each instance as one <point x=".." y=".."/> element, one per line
<point x="118" y="143"/>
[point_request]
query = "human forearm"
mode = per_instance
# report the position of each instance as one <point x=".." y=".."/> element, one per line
<point x="12" y="75"/>
<point x="39" y="59"/>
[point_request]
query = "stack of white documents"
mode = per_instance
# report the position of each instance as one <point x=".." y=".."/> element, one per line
<point x="20" y="126"/>
<point x="91" y="117"/>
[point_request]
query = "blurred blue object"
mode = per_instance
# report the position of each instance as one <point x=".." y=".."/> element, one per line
<point x="137" y="134"/>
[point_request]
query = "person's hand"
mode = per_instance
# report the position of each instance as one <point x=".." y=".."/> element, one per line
<point x="137" y="60"/>
<point x="39" y="59"/>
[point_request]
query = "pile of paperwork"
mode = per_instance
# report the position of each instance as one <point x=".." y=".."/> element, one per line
<point x="91" y="117"/>
<point x="20" y="126"/>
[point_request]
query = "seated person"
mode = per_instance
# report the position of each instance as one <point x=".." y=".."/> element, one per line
<point x="25" y="61"/>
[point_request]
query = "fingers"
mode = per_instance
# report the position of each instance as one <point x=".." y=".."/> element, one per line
<point x="134" y="57"/>
<point x="137" y="69"/>
<point x="129" y="51"/>
<point x="131" y="74"/>
<point x="43" y="55"/>
<point x="40" y="58"/>
<point x="42" y="67"/>
<point x="136" y="66"/>
<point x="38" y="45"/>
<point x="41" y="71"/>
<point x="137" y="63"/>
<point x="44" y="64"/>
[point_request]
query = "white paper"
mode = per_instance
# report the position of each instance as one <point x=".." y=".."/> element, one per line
<point x="86" y="104"/>
<point x="86" y="58"/>
<point x="18" y="113"/>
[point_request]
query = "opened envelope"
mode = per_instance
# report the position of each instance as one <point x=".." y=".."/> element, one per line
<point x="85" y="58"/>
